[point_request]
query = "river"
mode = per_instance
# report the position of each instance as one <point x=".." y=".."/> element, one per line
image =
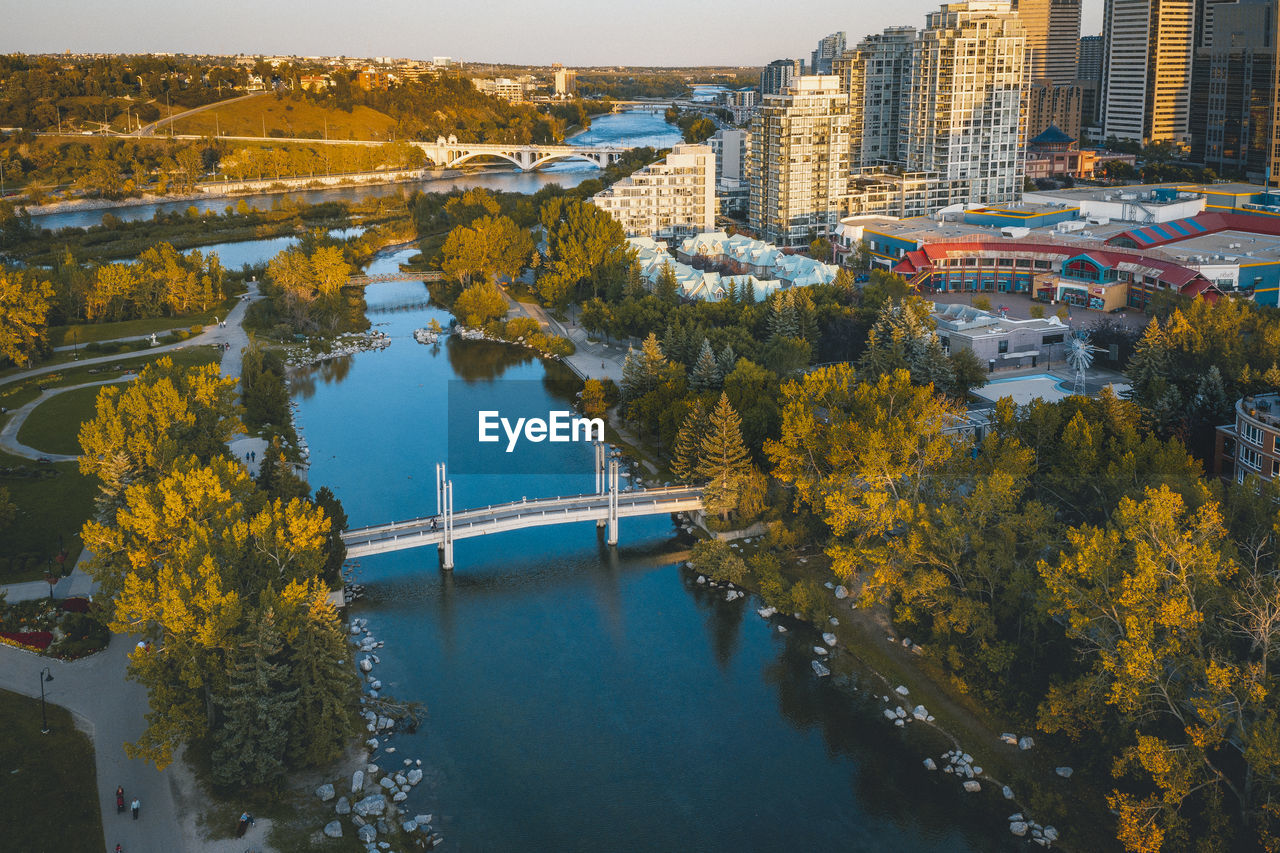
<point x="631" y="128"/>
<point x="583" y="698"/>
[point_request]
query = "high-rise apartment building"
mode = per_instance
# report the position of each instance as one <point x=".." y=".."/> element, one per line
<point x="963" y="116"/>
<point x="674" y="198"/>
<point x="1232" y="86"/>
<point x="875" y="75"/>
<point x="564" y="81"/>
<point x="1089" y="79"/>
<point x="799" y="161"/>
<point x="1146" y="80"/>
<point x="829" y="49"/>
<point x="1053" y="38"/>
<point x="777" y="75"/>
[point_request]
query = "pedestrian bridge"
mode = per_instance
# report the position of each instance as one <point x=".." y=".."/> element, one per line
<point x="604" y="507"/>
<point x="449" y="153"/>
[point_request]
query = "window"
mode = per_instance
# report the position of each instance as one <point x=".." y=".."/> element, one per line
<point x="1250" y="458"/>
<point x="1275" y="468"/>
<point x="1251" y="433"/>
<point x="1052" y="339"/>
<point x="1003" y="347"/>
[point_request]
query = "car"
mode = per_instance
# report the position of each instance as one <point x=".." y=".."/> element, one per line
<point x="45" y="460"/>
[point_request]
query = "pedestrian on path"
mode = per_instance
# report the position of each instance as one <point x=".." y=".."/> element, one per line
<point x="135" y="805"/>
<point x="119" y="849"/>
<point x="119" y="799"/>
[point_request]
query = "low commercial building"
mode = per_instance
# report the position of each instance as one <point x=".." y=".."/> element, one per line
<point x="999" y="341"/>
<point x="653" y="259"/>
<point x="673" y="198"/>
<point x="1251" y="445"/>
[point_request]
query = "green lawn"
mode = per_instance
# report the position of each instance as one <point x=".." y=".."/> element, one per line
<point x="51" y="509"/>
<point x="84" y="333"/>
<point x="46" y="781"/>
<point x="53" y="426"/>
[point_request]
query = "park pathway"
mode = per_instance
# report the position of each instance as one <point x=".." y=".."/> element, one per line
<point x="9" y="435"/>
<point x="107" y="705"/>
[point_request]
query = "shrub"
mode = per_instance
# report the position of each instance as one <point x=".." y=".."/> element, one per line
<point x="197" y="329"/>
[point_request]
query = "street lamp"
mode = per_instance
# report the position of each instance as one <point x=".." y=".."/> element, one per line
<point x="45" y="675"/>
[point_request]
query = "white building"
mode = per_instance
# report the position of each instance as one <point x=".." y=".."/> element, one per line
<point x="564" y="80"/>
<point x="876" y="75"/>
<point x="799" y="161"/>
<point x="963" y="117"/>
<point x="675" y="197"/>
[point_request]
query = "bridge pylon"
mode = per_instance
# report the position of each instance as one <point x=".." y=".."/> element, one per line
<point x="611" y="537"/>
<point x="447" y="541"/>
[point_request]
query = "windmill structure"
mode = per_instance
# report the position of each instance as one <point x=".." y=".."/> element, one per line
<point x="1080" y="352"/>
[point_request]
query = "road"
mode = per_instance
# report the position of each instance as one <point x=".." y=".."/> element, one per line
<point x="150" y="129"/>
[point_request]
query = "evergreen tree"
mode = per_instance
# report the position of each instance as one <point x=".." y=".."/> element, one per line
<point x="688" y="447"/>
<point x="934" y="368"/>
<point x="806" y="314"/>
<point x="726" y="361"/>
<point x="706" y="372"/>
<point x="723" y="462"/>
<point x="256" y="712"/>
<point x="642" y="371"/>
<point x="328" y="502"/>
<point x="276" y="477"/>
<point x="1148" y="371"/>
<point x="667" y="288"/>
<point x="326" y="687"/>
<point x="749" y="291"/>
<point x="782" y="316"/>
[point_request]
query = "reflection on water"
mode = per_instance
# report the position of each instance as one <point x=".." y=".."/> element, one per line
<point x="588" y="698"/>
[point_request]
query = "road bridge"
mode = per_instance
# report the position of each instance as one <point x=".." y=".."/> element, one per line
<point x="605" y="507"/>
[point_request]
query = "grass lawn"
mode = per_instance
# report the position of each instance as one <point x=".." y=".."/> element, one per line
<point x="72" y="373"/>
<point x="50" y="512"/>
<point x="53" y="426"/>
<point x="83" y="333"/>
<point x="47" y="781"/>
<point x="291" y="118"/>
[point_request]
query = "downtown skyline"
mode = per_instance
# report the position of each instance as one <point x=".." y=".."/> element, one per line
<point x="574" y="32"/>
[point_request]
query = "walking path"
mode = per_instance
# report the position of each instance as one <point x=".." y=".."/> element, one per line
<point x="232" y="334"/>
<point x="9" y="435"/>
<point x="110" y="708"/>
<point x="591" y="359"/>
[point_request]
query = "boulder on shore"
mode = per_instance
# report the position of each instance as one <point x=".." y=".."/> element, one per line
<point x="357" y="782"/>
<point x="1026" y="742"/>
<point x="414" y="776"/>
<point x="1018" y="828"/>
<point x="374" y="804"/>
<point x="367" y="833"/>
<point x="1064" y="772"/>
<point x="333" y="829"/>
<point x="325" y="792"/>
<point x="343" y="806"/>
<point x="972" y="787"/>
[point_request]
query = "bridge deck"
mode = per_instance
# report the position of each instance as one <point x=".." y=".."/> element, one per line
<point x="519" y="515"/>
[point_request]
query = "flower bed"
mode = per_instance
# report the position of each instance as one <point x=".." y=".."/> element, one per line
<point x="36" y="641"/>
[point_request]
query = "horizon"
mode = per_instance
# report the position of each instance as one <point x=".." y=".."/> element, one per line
<point x="716" y="33"/>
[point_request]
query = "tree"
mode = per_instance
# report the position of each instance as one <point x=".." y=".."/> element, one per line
<point x="641" y="372"/>
<point x="25" y="301"/>
<point x="820" y="249"/>
<point x="723" y="463"/>
<point x="585" y="248"/>
<point x="256" y="711"/>
<point x="141" y="429"/>
<point x="593" y="400"/>
<point x="480" y="303"/>
<point x="706" y="372"/>
<point x="864" y="458"/>
<point x="967" y="373"/>
<point x="688" y="448"/>
<point x="326" y="685"/>
<point x="491" y="247"/>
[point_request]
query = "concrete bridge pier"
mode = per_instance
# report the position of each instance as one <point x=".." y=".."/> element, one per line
<point x="600" y="476"/>
<point x="447" y="541"/>
<point x="611" y="538"/>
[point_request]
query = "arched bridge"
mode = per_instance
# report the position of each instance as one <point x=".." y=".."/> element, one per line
<point x="604" y="507"/>
<point x="449" y="153"/>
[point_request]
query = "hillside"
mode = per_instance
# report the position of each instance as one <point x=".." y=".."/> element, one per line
<point x="287" y="117"/>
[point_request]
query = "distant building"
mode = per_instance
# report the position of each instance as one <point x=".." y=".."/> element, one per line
<point x="1053" y="106"/>
<point x="564" y="81"/>
<point x="777" y="75"/>
<point x="741" y="103"/>
<point x="1053" y="38"/>
<point x="1232" y="86"/>
<point x="1089" y="79"/>
<point x="741" y="255"/>
<point x="370" y="79"/>
<point x="502" y="87"/>
<point x="673" y="198"/>
<point x="799" y="161"/>
<point x="692" y="284"/>
<point x="730" y="147"/>
<point x="1251" y="445"/>
<point x="1055" y="154"/>
<point x="886" y="191"/>
<point x="828" y="50"/>
<point x="1146" y="80"/>
<point x="315" y="82"/>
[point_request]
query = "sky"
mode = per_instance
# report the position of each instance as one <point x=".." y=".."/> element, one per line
<point x="525" y="32"/>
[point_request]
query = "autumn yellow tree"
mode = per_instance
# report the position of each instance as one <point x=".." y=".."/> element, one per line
<point x="140" y="429"/>
<point x="25" y="300"/>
